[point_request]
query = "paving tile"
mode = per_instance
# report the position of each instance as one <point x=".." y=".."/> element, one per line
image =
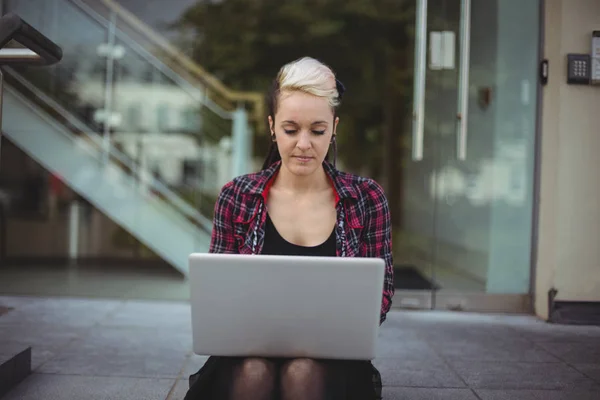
<point x="170" y="290"/>
<point x="536" y="395"/>
<point x="69" y="387"/>
<point x="155" y="307"/>
<point x="9" y="349"/>
<point x="410" y="350"/>
<point x="122" y="352"/>
<point x="103" y="349"/>
<point x="39" y="353"/>
<point x="180" y="390"/>
<point x="492" y="349"/>
<point x="585" y="352"/>
<point x="389" y="331"/>
<point x="66" y="303"/>
<point x="450" y="332"/>
<point x="135" y="352"/>
<point x="175" y="316"/>
<point x="399" y="372"/>
<point x="140" y="365"/>
<point x="427" y="394"/>
<point x="541" y="331"/>
<point x="134" y="339"/>
<point x="91" y="283"/>
<point x="79" y="313"/>
<point x="540" y="376"/>
<point x="590" y="370"/>
<point x="39" y="334"/>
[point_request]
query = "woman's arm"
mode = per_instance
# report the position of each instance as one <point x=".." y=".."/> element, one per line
<point x="223" y="237"/>
<point x="378" y="240"/>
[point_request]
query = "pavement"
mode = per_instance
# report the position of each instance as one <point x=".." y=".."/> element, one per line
<point x="130" y="349"/>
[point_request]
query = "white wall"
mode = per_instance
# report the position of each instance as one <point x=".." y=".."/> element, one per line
<point x="569" y="215"/>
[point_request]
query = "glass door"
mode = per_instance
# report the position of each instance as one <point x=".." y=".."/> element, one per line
<point x="435" y="81"/>
<point x="467" y="206"/>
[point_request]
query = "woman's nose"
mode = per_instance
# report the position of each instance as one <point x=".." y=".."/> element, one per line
<point x="303" y="141"/>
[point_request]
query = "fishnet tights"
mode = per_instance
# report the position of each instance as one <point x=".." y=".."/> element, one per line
<point x="260" y="379"/>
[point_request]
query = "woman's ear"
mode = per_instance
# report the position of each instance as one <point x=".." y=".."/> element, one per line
<point x="271" y="125"/>
<point x="335" y="124"/>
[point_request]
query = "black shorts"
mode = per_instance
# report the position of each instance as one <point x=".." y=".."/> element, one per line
<point x="347" y="380"/>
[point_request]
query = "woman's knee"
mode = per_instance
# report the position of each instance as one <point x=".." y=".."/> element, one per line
<point x="302" y="370"/>
<point x="257" y="369"/>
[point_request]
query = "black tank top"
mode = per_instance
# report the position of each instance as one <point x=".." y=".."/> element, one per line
<point x="276" y="245"/>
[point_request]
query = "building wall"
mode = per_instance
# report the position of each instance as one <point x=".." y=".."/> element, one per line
<point x="569" y="208"/>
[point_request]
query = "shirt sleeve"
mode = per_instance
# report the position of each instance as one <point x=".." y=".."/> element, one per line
<point x="223" y="235"/>
<point x="378" y="240"/>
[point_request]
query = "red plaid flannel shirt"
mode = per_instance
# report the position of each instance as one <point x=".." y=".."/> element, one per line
<point x="363" y="219"/>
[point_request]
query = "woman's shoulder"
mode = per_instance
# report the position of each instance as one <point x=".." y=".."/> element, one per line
<point x="247" y="183"/>
<point x="361" y="186"/>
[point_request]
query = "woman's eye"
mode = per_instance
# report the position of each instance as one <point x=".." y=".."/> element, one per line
<point x="292" y="131"/>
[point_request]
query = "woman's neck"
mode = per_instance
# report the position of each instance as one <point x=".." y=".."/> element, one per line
<point x="289" y="182"/>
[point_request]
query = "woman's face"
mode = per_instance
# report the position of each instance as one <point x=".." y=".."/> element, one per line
<point x="303" y="128"/>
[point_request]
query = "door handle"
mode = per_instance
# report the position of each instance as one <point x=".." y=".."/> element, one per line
<point x="419" y="81"/>
<point x="462" y="114"/>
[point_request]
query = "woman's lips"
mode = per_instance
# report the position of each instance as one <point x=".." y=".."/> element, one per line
<point x="303" y="159"/>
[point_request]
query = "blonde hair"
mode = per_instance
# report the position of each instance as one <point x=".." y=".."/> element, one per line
<point x="309" y="76"/>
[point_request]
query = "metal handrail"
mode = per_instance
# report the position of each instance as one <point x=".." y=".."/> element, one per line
<point x="214" y="83"/>
<point x="172" y="197"/>
<point x="40" y="50"/>
<point x="193" y="91"/>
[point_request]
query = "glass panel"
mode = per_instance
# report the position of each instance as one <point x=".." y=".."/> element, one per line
<point x="161" y="123"/>
<point x="442" y="94"/>
<point x="414" y="232"/>
<point x="170" y="153"/>
<point x="464" y="225"/>
<point x="190" y="148"/>
<point x="484" y="218"/>
<point x="34" y="208"/>
<point x="80" y="37"/>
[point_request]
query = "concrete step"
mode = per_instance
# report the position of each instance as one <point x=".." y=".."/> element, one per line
<point x="15" y="366"/>
<point x="15" y="362"/>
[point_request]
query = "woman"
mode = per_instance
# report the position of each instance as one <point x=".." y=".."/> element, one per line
<point x="299" y="204"/>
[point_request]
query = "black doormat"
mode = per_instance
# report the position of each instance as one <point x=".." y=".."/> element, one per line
<point x="4" y="310"/>
<point x="409" y="278"/>
<point x="575" y="313"/>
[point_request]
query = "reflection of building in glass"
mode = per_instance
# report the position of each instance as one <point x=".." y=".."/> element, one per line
<point x="178" y="159"/>
<point x="160" y="127"/>
<point x="144" y="107"/>
<point x="499" y="179"/>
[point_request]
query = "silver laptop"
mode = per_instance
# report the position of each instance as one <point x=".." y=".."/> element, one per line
<point x="285" y="306"/>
